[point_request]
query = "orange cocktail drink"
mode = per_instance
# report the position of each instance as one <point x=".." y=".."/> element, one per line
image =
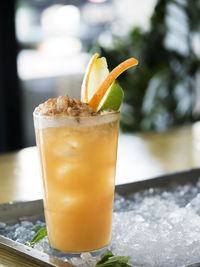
<point x="78" y="159"/>
<point x="77" y="141"/>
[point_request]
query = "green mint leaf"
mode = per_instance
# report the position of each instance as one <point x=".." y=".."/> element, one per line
<point x="41" y="233"/>
<point x="120" y="260"/>
<point x="109" y="260"/>
<point x="104" y="257"/>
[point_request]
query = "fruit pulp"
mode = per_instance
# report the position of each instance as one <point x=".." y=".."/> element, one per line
<point x="78" y="169"/>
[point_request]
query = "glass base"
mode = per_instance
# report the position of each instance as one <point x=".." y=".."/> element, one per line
<point x="94" y="253"/>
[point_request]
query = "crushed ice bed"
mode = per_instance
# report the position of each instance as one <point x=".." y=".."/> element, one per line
<point x="155" y="227"/>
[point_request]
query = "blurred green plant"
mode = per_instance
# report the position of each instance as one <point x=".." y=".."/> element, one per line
<point x="162" y="90"/>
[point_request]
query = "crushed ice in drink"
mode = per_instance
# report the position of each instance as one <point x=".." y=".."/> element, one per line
<point x="155" y="227"/>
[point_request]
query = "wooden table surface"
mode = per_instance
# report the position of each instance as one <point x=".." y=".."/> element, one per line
<point x="140" y="156"/>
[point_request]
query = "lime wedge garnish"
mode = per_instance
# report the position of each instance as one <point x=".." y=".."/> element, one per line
<point x="113" y="98"/>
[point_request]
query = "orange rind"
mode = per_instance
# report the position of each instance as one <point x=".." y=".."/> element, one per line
<point x="100" y="92"/>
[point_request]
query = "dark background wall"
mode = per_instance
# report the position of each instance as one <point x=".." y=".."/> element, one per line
<point x="10" y="125"/>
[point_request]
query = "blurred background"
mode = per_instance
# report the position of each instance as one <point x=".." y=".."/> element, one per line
<point x="45" y="46"/>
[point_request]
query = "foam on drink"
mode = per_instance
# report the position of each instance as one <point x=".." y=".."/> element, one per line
<point x="66" y="111"/>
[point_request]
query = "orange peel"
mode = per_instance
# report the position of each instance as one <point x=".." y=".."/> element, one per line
<point x="84" y="87"/>
<point x="98" y="95"/>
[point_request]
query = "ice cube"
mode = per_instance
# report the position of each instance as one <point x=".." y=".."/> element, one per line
<point x="2" y="225"/>
<point x="23" y="234"/>
<point x="195" y="204"/>
<point x="43" y="245"/>
<point x="77" y="262"/>
<point x="66" y="149"/>
<point x="88" y="259"/>
<point x="120" y="203"/>
<point x="85" y="260"/>
<point x="63" y="170"/>
<point x="27" y="224"/>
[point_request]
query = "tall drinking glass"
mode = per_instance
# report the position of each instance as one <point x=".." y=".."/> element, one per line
<point x="78" y="160"/>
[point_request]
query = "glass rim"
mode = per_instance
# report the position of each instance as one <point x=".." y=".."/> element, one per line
<point x="44" y="121"/>
<point x="113" y="112"/>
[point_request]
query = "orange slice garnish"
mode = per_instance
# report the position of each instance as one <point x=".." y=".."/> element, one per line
<point x="101" y="90"/>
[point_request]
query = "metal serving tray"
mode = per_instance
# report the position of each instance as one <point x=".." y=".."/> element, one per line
<point x="13" y="211"/>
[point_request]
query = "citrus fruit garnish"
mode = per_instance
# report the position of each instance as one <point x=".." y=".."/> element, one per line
<point x="113" y="97"/>
<point x="84" y="88"/>
<point x="99" y="88"/>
